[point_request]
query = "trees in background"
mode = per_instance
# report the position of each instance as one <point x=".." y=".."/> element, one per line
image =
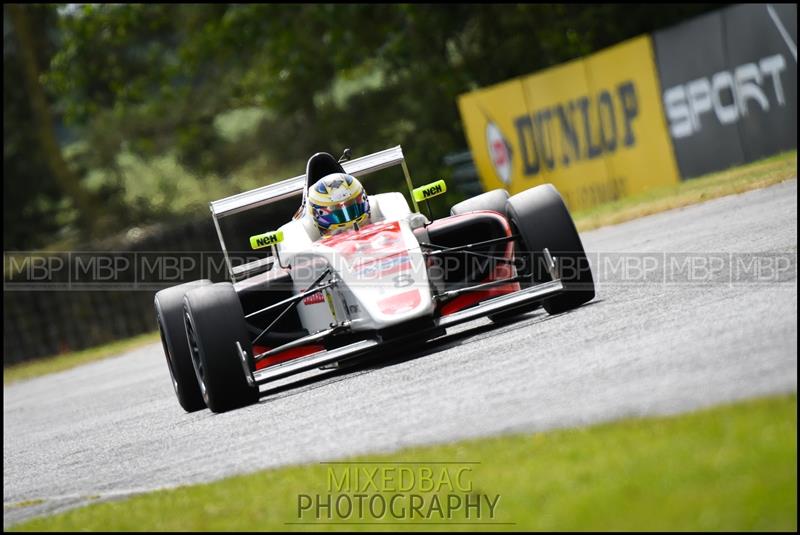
<point x="227" y="91"/>
<point x="39" y="191"/>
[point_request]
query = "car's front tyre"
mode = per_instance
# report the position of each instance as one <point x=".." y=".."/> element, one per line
<point x="214" y="323"/>
<point x="169" y="316"/>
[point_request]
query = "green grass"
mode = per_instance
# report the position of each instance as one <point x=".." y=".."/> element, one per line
<point x="57" y="363"/>
<point x="754" y="175"/>
<point x="727" y="468"/>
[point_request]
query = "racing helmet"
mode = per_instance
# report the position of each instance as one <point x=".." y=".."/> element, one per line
<point x="338" y="202"/>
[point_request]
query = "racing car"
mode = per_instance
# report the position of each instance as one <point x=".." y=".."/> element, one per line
<point x="302" y="302"/>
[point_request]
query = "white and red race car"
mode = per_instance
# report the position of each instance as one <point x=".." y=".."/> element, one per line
<point x="309" y="302"/>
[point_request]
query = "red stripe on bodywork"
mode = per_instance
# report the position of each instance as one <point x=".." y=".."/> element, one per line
<point x="501" y="271"/>
<point x="283" y="356"/>
<point x="468" y="299"/>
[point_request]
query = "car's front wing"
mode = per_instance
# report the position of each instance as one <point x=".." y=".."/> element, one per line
<point x="511" y="301"/>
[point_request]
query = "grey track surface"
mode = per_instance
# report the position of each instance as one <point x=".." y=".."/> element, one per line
<point x="114" y="427"/>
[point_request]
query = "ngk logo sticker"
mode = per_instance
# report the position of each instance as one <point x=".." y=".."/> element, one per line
<point x="499" y="151"/>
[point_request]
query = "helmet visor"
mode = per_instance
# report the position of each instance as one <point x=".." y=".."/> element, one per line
<point x="345" y="212"/>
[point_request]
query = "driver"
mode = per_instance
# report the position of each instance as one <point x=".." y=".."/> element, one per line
<point x="338" y="202"/>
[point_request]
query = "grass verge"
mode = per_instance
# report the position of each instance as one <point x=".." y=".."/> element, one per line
<point x="57" y="363"/>
<point x="754" y="175"/>
<point x="22" y="504"/>
<point x="727" y="468"/>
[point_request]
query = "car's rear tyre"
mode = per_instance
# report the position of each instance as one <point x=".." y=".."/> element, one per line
<point x="491" y="200"/>
<point x="495" y="200"/>
<point x="542" y="221"/>
<point x="214" y="322"/>
<point x="169" y="315"/>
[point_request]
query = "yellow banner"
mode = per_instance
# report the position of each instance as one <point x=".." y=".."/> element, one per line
<point x="643" y="157"/>
<point x="488" y="117"/>
<point x="593" y="127"/>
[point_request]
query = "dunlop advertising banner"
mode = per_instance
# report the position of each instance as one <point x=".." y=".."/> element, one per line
<point x="729" y="82"/>
<point x="593" y="127"/>
<point x="488" y="117"/>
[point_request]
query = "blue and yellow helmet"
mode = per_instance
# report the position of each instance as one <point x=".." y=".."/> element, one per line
<point x="337" y="202"/>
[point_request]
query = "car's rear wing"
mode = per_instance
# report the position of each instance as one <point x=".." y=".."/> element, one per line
<point x="286" y="188"/>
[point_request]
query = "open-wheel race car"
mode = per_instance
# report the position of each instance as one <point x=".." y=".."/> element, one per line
<point x="307" y="301"/>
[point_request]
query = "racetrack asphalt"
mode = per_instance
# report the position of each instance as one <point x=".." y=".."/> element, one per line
<point x="644" y="346"/>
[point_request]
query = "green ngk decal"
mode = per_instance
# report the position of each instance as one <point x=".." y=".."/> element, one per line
<point x="430" y="190"/>
<point x="260" y="241"/>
